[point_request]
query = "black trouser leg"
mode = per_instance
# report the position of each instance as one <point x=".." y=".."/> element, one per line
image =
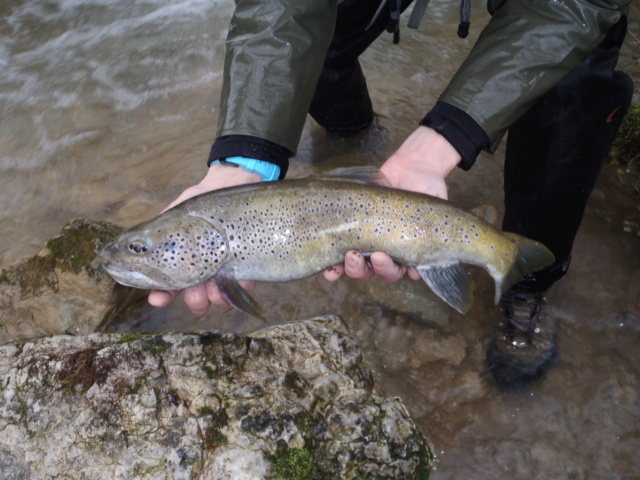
<point x="341" y="102"/>
<point x="555" y="154"/>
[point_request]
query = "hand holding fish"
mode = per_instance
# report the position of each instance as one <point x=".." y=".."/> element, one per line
<point x="420" y="164"/>
<point x="284" y="231"/>
<point x="200" y="297"/>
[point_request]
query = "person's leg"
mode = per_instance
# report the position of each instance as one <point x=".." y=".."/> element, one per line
<point x="554" y="156"/>
<point x="341" y="102"/>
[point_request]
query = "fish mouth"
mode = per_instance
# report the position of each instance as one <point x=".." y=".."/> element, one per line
<point x="135" y="279"/>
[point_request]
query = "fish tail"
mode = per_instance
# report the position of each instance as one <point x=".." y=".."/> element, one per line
<point x="530" y="257"/>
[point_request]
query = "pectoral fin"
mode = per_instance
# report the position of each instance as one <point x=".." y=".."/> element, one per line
<point x="237" y="296"/>
<point x="451" y="283"/>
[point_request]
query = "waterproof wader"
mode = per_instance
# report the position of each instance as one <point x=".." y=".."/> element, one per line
<point x="341" y="101"/>
<point x="556" y="151"/>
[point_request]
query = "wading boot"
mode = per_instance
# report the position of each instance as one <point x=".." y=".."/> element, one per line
<point x="523" y="348"/>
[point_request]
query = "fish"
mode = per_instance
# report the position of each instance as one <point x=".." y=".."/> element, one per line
<point x="292" y="229"/>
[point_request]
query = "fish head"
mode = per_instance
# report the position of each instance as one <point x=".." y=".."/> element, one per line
<point x="169" y="252"/>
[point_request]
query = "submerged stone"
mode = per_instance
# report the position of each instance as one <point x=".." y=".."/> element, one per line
<point x="292" y="401"/>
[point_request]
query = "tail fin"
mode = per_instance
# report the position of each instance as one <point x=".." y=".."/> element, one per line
<point x="531" y="257"/>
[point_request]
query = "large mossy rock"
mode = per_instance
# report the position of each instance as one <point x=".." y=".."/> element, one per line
<point x="59" y="290"/>
<point x="292" y="401"/>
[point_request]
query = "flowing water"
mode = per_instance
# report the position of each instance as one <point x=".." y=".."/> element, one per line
<point x="108" y="110"/>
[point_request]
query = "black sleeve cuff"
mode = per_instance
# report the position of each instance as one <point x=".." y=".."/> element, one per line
<point x="462" y="131"/>
<point x="251" y="147"/>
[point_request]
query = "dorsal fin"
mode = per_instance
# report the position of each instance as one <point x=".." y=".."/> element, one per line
<point x="370" y="175"/>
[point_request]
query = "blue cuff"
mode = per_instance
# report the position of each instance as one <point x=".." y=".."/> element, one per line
<point x="268" y="171"/>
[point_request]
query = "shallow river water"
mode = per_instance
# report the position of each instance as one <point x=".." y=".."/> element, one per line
<point x="108" y="110"/>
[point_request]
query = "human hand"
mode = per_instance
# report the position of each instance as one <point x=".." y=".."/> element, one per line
<point x="199" y="298"/>
<point x="421" y="164"/>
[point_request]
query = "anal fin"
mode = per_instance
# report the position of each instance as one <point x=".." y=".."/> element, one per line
<point x="451" y="283"/>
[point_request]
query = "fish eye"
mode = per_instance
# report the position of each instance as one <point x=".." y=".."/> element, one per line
<point x="137" y="247"/>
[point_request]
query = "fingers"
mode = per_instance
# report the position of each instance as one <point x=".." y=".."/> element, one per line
<point x="356" y="266"/>
<point x="413" y="274"/>
<point x="334" y="273"/>
<point x="215" y="295"/>
<point x="386" y="268"/>
<point x="197" y="299"/>
<point x="162" y="298"/>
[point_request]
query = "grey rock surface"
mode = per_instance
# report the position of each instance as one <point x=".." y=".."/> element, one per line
<point x="292" y="401"/>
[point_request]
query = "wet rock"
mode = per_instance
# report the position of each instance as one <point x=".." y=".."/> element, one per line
<point x="393" y="343"/>
<point x="292" y="401"/>
<point x="433" y="346"/>
<point x="633" y="294"/>
<point x="409" y="298"/>
<point x="59" y="291"/>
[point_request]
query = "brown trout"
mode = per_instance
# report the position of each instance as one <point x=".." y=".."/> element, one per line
<point x="289" y="230"/>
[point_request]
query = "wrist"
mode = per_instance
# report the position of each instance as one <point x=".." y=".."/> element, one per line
<point x="219" y="176"/>
<point x="422" y="163"/>
<point x="426" y="149"/>
<point x="460" y="130"/>
<point x="267" y="171"/>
